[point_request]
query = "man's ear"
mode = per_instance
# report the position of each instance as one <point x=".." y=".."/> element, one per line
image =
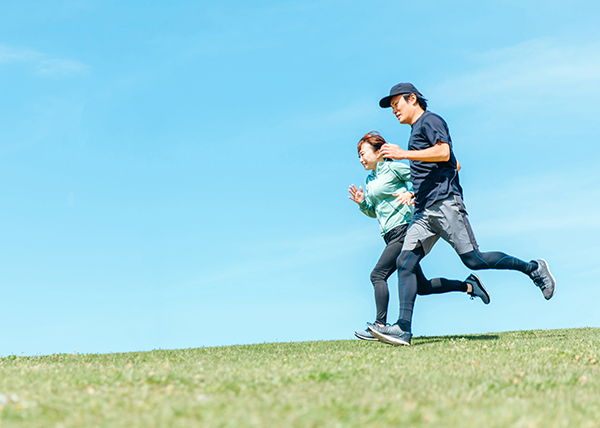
<point x="413" y="99"/>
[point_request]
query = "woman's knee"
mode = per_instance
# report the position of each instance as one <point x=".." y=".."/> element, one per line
<point x="377" y="276"/>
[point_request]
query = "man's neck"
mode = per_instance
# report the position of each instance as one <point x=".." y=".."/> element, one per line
<point x="417" y="115"/>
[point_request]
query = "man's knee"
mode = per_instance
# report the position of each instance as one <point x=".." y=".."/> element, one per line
<point x="473" y="261"/>
<point x="402" y="260"/>
<point x="408" y="260"/>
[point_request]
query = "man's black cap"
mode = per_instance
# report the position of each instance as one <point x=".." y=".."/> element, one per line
<point x="400" y="88"/>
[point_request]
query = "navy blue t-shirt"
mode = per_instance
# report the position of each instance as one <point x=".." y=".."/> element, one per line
<point x="432" y="181"/>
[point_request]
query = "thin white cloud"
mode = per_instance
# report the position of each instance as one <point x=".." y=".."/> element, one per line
<point x="536" y="68"/>
<point x="42" y="64"/>
<point x="8" y="55"/>
<point x="60" y="66"/>
<point x="545" y="204"/>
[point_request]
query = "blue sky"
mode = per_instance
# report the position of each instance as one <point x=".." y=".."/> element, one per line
<point x="175" y="174"/>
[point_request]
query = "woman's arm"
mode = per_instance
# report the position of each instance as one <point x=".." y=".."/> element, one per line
<point x="358" y="196"/>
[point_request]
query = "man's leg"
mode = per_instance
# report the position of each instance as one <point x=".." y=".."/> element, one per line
<point x="420" y="238"/>
<point x="410" y="275"/>
<point x="477" y="260"/>
<point x="438" y="285"/>
<point x="454" y="227"/>
<point x="408" y="284"/>
<point x="380" y="274"/>
<point x="472" y="286"/>
<point x="399" y="333"/>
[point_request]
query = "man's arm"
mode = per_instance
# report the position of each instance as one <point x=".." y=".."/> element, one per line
<point x="440" y="152"/>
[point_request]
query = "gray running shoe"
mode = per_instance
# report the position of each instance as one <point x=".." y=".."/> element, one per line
<point x="478" y="289"/>
<point x="392" y="334"/>
<point x="544" y="279"/>
<point x="365" y="335"/>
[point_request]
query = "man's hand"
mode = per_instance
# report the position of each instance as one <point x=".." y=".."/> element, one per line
<point x="356" y="195"/>
<point x="392" y="151"/>
<point x="405" y="198"/>
<point x="440" y="152"/>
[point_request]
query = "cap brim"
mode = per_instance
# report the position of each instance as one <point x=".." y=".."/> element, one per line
<point x="386" y="102"/>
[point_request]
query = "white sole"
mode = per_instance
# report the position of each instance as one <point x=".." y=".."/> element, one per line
<point x="365" y="339"/>
<point x="389" y="340"/>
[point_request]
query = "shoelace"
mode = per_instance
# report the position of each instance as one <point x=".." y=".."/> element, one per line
<point x="387" y="324"/>
<point x="538" y="281"/>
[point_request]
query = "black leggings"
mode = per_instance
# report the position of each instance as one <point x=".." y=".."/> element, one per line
<point x="387" y="265"/>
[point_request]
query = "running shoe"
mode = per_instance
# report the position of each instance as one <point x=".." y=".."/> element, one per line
<point x="544" y="279"/>
<point x="365" y="335"/>
<point x="392" y="335"/>
<point x="478" y="289"/>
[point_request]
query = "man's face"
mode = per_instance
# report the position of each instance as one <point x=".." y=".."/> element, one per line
<point x="402" y="109"/>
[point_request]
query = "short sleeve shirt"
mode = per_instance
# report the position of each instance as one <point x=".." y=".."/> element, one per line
<point x="432" y="181"/>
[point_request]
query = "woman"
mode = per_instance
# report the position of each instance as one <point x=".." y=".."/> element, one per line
<point x="387" y="198"/>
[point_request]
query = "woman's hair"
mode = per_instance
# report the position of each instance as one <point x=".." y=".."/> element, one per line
<point x="373" y="138"/>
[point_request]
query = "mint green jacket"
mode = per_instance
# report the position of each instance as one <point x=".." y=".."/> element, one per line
<point x="388" y="178"/>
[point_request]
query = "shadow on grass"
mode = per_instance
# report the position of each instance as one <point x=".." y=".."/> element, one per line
<point x="431" y="339"/>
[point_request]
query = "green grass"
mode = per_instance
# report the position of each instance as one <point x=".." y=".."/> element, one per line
<point x="516" y="379"/>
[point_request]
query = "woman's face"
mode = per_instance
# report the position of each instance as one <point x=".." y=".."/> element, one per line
<point x="368" y="156"/>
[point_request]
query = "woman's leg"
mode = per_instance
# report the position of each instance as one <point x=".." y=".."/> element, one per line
<point x="383" y="270"/>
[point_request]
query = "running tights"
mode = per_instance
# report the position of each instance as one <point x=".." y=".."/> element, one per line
<point x="410" y="276"/>
<point x="477" y="260"/>
<point x="386" y="267"/>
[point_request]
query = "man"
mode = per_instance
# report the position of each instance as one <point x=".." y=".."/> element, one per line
<point x="439" y="210"/>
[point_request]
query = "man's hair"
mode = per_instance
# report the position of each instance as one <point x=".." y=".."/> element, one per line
<point x="372" y="138"/>
<point x="420" y="100"/>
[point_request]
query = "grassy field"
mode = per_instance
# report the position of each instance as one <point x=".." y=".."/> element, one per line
<point x="516" y="379"/>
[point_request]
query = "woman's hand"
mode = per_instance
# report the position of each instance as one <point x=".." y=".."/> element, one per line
<point x="357" y="195"/>
<point x="405" y="198"/>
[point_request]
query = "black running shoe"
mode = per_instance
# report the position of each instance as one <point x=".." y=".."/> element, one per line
<point x="478" y="289"/>
<point x="365" y="335"/>
<point x="544" y="279"/>
<point x="392" y="334"/>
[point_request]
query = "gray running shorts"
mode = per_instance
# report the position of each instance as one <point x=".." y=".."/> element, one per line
<point x="446" y="219"/>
